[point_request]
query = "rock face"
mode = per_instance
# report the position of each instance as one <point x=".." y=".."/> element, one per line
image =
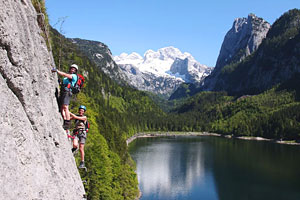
<point x="275" y="61"/>
<point x="36" y="160"/>
<point x="102" y="57"/>
<point x="191" y="70"/>
<point x="241" y="40"/>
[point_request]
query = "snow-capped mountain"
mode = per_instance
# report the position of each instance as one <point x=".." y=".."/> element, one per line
<point x="161" y="71"/>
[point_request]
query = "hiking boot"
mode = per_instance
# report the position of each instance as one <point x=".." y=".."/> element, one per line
<point x="67" y="124"/>
<point x="74" y="149"/>
<point x="81" y="165"/>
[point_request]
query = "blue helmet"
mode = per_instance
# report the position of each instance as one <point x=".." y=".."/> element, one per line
<point x="82" y="107"/>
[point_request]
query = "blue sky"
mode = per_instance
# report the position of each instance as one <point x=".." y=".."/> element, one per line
<point x="193" y="26"/>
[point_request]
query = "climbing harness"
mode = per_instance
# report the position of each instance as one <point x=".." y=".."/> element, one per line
<point x="86" y="124"/>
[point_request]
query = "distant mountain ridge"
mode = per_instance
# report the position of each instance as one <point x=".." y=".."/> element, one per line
<point x="160" y="62"/>
<point x="161" y="71"/>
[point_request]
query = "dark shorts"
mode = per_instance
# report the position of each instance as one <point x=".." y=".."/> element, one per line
<point x="81" y="137"/>
<point x="65" y="98"/>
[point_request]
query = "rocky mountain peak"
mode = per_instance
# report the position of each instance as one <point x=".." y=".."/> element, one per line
<point x="190" y="70"/>
<point x="161" y="71"/>
<point x="170" y="52"/>
<point x="133" y="56"/>
<point x="159" y="61"/>
<point x="242" y="39"/>
<point x="274" y="56"/>
<point x="162" y="54"/>
<point x="150" y="72"/>
<point x="124" y="58"/>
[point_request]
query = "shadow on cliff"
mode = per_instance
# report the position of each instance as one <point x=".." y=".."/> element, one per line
<point x="292" y="85"/>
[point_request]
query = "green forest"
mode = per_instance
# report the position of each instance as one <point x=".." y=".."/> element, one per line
<point x="116" y="112"/>
<point x="272" y="114"/>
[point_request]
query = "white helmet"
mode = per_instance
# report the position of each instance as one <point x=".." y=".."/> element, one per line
<point x="75" y="66"/>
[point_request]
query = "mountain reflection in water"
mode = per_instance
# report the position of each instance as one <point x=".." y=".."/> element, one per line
<point x="214" y="168"/>
<point x="163" y="166"/>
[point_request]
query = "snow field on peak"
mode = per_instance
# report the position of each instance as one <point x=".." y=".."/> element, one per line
<point x="156" y="62"/>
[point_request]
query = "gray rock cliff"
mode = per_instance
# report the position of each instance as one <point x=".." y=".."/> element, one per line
<point x="275" y="61"/>
<point x="36" y="160"/>
<point x="241" y="40"/>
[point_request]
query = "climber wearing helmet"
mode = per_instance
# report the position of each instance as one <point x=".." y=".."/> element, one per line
<point x="80" y="132"/>
<point x="66" y="92"/>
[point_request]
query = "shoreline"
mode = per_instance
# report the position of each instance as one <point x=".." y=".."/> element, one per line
<point x="168" y="134"/>
<point x="269" y="140"/>
<point x="173" y="134"/>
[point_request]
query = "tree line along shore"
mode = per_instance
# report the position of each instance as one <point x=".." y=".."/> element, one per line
<point x="173" y="134"/>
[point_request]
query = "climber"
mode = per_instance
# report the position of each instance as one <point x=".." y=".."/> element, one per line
<point x="66" y="92"/>
<point x="79" y="132"/>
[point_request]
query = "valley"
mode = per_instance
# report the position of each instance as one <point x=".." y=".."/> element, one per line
<point x="255" y="94"/>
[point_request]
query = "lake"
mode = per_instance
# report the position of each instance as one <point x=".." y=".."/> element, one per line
<point x="215" y="168"/>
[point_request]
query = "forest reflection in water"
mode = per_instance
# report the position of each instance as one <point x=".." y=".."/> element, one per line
<point x="207" y="167"/>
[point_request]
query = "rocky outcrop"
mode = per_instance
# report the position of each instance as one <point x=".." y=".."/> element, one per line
<point x="275" y="61"/>
<point x="36" y="160"/>
<point x="241" y="40"/>
<point x="101" y="55"/>
<point x="193" y="72"/>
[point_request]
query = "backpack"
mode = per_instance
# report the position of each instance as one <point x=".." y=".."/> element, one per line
<point x="78" y="85"/>
<point x="87" y="126"/>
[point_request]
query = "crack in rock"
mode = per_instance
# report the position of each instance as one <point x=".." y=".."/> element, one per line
<point x="10" y="84"/>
